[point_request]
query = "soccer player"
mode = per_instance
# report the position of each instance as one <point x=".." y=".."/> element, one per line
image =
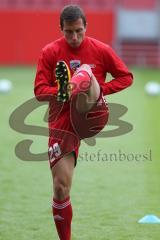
<point x="71" y="75"/>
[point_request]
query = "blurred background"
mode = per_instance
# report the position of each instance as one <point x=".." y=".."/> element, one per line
<point x="131" y="27"/>
<point x="125" y="190"/>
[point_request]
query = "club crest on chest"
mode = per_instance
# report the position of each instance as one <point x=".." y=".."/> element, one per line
<point x="74" y="64"/>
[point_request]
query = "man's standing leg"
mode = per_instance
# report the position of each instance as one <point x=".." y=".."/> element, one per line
<point x="62" y="173"/>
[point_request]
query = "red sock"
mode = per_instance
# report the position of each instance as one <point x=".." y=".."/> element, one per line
<point x="62" y="214"/>
<point x="80" y="82"/>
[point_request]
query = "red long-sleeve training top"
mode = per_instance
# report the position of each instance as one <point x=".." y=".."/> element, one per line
<point x="98" y="55"/>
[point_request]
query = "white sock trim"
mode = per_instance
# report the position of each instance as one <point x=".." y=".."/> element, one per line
<point x="61" y="205"/>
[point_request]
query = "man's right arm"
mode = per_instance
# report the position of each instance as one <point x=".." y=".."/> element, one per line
<point x="44" y="88"/>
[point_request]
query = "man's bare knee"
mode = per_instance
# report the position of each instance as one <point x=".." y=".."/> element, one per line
<point x="61" y="189"/>
<point x="82" y="103"/>
<point x="94" y="90"/>
<point x="86" y="100"/>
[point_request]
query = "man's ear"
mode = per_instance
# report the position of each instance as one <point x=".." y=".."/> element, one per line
<point x="60" y="28"/>
<point x="86" y="27"/>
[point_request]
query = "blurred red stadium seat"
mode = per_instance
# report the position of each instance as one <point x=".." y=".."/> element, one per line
<point x="94" y="4"/>
<point x="139" y="4"/>
<point x="143" y="53"/>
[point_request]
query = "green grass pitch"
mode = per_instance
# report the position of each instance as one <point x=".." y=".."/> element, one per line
<point x="108" y="196"/>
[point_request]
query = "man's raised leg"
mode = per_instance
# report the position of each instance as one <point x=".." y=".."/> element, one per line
<point x="85" y="88"/>
<point x="89" y="111"/>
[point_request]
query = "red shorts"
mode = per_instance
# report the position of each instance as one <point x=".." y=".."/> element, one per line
<point x="70" y="126"/>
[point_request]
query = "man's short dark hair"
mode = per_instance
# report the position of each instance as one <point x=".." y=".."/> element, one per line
<point x="71" y="13"/>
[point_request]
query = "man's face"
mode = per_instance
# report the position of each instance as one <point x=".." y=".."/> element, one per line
<point x="74" y="32"/>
